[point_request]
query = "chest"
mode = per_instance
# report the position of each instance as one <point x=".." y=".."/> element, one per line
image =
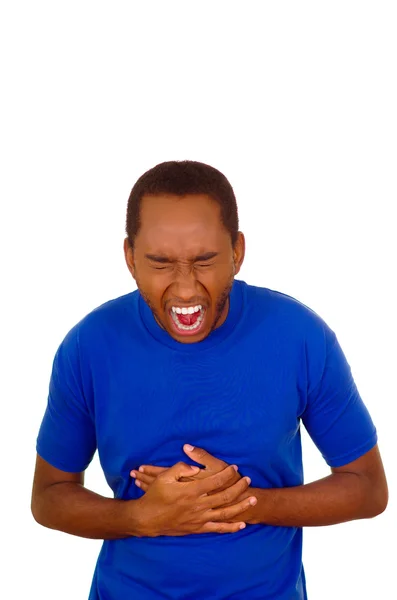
<point x="241" y="410"/>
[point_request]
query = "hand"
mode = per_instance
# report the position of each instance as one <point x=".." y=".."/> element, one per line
<point x="148" y="473"/>
<point x="173" y="507"/>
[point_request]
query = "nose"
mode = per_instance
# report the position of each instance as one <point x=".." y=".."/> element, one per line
<point x="185" y="286"/>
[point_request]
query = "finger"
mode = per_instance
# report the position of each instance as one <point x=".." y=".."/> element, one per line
<point x="188" y="479"/>
<point x="227" y="496"/>
<point x="142" y="477"/>
<point x="202" y="474"/>
<point x="176" y="472"/>
<point x="229" y="512"/>
<point x="142" y="486"/>
<point x="236" y="478"/>
<point x="151" y="470"/>
<point x="216" y="481"/>
<point x="216" y="527"/>
<point x="202" y="457"/>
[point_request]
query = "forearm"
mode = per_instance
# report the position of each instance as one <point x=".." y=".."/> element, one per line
<point x="72" y="508"/>
<point x="338" y="498"/>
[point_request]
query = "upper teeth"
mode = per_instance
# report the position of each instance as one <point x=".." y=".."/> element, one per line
<point x="186" y="310"/>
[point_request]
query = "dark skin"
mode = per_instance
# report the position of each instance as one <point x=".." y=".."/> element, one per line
<point x="180" y="231"/>
<point x="175" y="505"/>
<point x="183" y="256"/>
<point x="357" y="490"/>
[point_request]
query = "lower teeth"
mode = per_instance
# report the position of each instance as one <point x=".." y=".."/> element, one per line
<point x="188" y="327"/>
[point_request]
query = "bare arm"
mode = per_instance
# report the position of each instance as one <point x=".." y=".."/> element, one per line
<point x="357" y="490"/>
<point x="60" y="501"/>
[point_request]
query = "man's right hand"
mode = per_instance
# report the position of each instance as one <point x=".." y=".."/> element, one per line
<point x="172" y="507"/>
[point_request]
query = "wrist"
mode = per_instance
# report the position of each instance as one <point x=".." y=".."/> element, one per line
<point x="133" y="518"/>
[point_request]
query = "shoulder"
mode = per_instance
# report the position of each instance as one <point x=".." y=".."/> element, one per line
<point x="278" y="304"/>
<point x="112" y="311"/>
<point x="107" y="319"/>
<point x="286" y="315"/>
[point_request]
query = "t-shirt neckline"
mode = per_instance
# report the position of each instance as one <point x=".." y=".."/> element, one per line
<point x="215" y="337"/>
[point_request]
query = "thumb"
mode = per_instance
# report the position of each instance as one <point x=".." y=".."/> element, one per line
<point x="180" y="470"/>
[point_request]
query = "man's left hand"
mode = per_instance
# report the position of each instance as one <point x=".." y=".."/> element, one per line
<point x="146" y="474"/>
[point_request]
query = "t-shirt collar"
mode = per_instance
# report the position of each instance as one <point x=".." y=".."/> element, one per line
<point x="215" y="337"/>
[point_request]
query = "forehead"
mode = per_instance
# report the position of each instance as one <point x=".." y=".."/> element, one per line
<point x="181" y="224"/>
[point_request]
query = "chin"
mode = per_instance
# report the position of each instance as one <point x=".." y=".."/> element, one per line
<point x="192" y="339"/>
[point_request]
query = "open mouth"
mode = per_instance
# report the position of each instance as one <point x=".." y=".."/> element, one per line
<point x="187" y="320"/>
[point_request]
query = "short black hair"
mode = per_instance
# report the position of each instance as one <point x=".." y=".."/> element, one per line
<point x="181" y="178"/>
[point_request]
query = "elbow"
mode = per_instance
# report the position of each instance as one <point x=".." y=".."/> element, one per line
<point x="381" y="504"/>
<point x="37" y="511"/>
<point x="379" y="499"/>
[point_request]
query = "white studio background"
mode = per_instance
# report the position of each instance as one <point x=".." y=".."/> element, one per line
<point x="296" y="103"/>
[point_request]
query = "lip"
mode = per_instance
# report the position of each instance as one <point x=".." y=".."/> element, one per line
<point x="186" y="305"/>
<point x="187" y="333"/>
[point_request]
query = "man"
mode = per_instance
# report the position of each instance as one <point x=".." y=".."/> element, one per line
<point x="197" y="369"/>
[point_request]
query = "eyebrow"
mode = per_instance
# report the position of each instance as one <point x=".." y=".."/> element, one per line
<point x="161" y="258"/>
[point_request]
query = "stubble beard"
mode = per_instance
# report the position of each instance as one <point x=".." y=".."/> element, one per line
<point x="219" y="307"/>
<point x="221" y="303"/>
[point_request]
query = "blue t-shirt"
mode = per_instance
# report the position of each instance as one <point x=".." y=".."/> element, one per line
<point x="122" y="385"/>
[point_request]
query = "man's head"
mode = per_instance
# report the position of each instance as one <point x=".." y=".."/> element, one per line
<point x="183" y="246"/>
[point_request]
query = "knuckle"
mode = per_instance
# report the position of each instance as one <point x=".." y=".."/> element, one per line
<point x="195" y="508"/>
<point x="200" y="452"/>
<point x="223" y="515"/>
<point x="231" y="472"/>
<point x="218" y="481"/>
<point x="225" y="497"/>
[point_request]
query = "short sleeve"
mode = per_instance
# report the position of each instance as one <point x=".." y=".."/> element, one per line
<point x="335" y="416"/>
<point x="67" y="437"/>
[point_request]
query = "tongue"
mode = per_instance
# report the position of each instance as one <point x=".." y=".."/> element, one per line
<point x="188" y="319"/>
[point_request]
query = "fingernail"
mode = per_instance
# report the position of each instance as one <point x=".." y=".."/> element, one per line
<point x="141" y="469"/>
<point x="189" y="448"/>
<point x="133" y="474"/>
<point x="248" y="480"/>
<point x="235" y="467"/>
<point x="138" y="483"/>
<point x="242" y="526"/>
<point x="253" y="501"/>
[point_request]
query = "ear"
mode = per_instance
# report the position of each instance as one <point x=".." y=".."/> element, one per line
<point x="239" y="252"/>
<point x="129" y="257"/>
